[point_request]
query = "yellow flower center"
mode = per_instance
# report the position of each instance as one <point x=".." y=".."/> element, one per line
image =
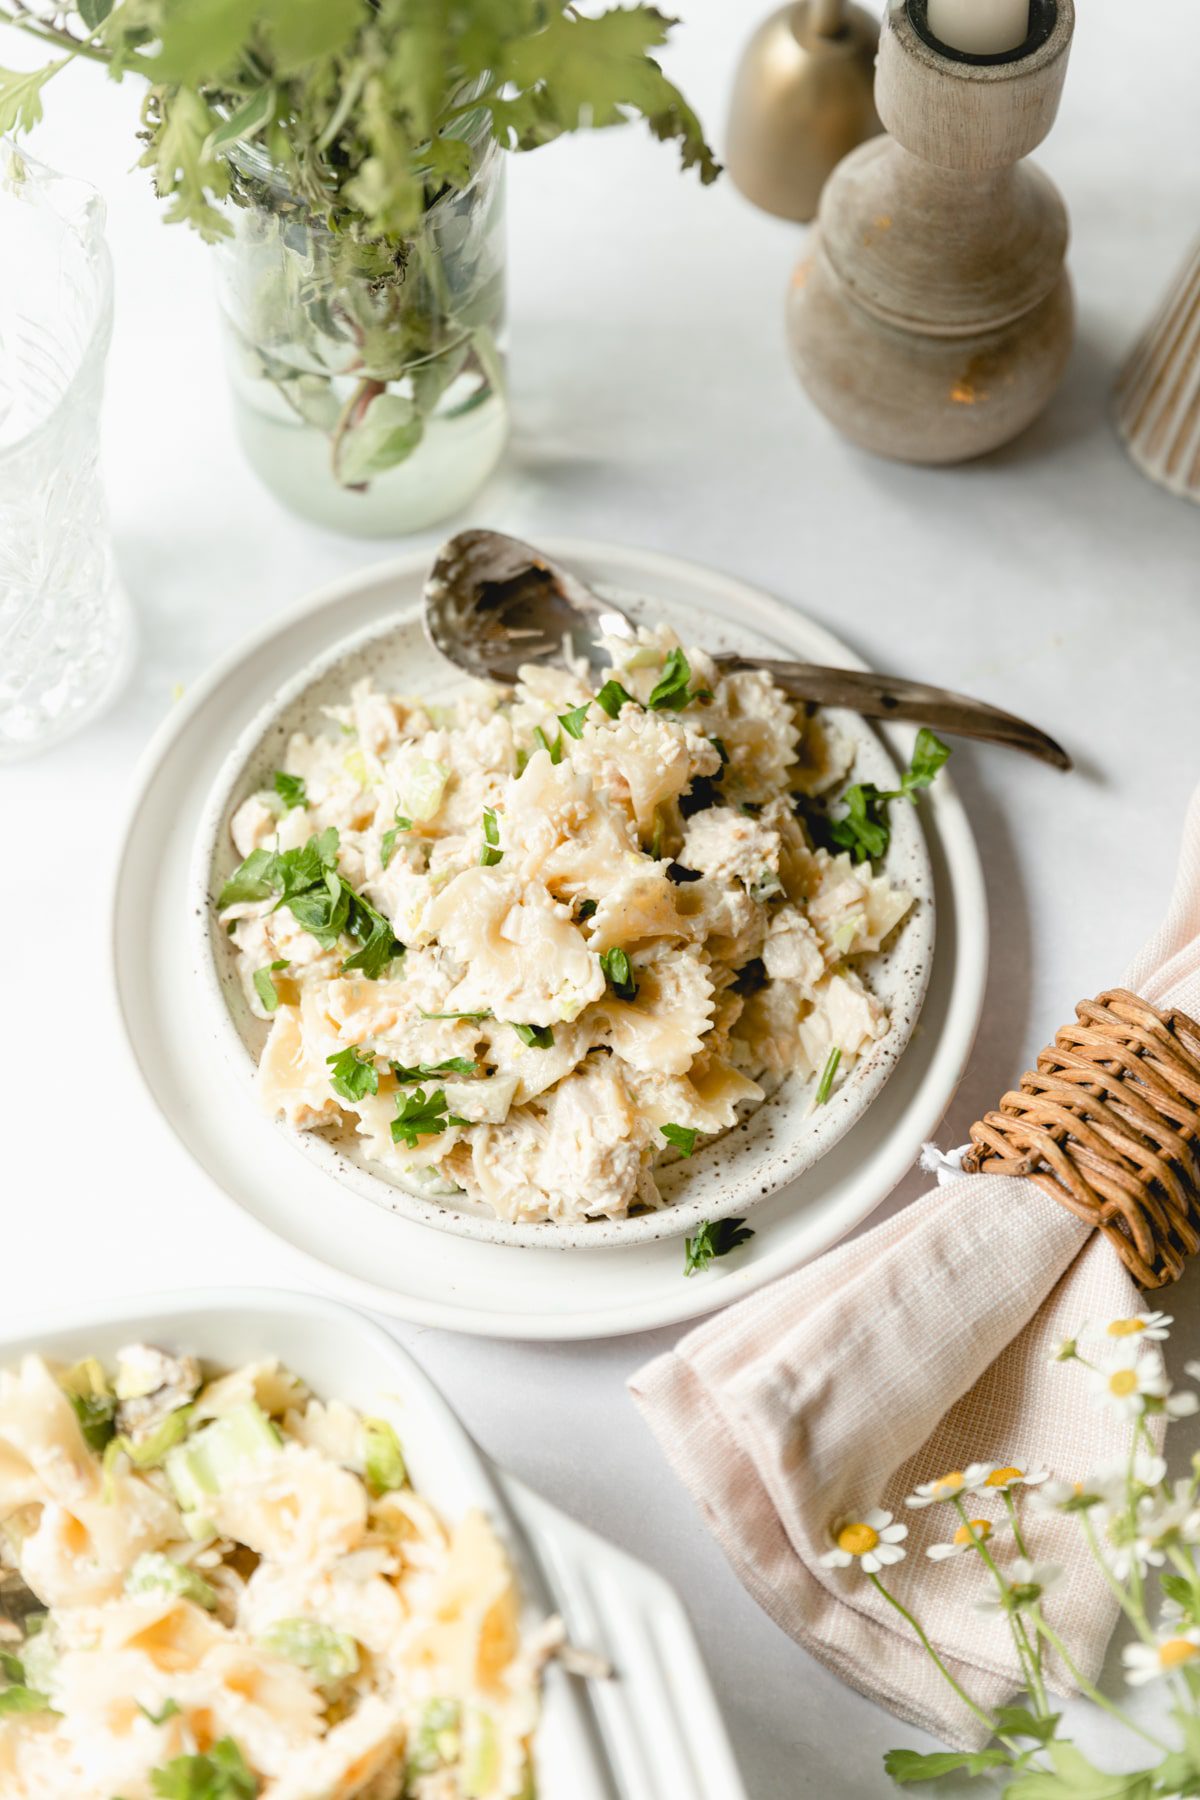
<point x="1126" y="1327"/>
<point x="1123" y="1382"/>
<point x="1002" y="1477"/>
<point x="949" y="1484"/>
<point x="1176" y="1651"/>
<point x="970" y="1534"/>
<point x="857" y="1539"/>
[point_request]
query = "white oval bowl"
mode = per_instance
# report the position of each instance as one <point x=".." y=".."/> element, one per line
<point x="776" y="1142"/>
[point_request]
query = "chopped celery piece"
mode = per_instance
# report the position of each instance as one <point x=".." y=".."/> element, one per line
<point x="95" y="1404"/>
<point x="148" y="1452"/>
<point x="382" y="1457"/>
<point x="329" y="1655"/>
<point x="423" y="787"/>
<point x="435" y="1743"/>
<point x="481" y="1756"/>
<point x="204" y="1464"/>
<point x="156" y="1573"/>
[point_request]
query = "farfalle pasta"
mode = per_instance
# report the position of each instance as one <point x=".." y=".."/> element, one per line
<point x="533" y="943"/>
<point x="225" y="1586"/>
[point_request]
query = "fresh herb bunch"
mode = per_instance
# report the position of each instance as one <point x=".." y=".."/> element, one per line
<point x="350" y="134"/>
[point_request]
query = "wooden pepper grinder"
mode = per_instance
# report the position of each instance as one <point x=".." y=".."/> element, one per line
<point x="931" y="318"/>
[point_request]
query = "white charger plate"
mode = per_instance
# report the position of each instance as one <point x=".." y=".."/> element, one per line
<point x="655" y="1728"/>
<point x="400" y="1266"/>
<point x="733" y="1173"/>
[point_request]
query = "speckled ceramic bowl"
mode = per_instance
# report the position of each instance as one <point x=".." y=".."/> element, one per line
<point x="777" y="1141"/>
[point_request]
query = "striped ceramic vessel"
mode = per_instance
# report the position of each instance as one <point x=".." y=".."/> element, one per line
<point x="1158" y="393"/>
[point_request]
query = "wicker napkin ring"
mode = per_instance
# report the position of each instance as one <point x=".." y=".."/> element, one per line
<point x="1108" y="1124"/>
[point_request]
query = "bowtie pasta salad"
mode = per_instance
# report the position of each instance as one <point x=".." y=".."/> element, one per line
<point x="533" y="943"/>
<point x="226" y="1589"/>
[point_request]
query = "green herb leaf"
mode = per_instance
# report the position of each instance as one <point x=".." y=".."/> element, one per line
<point x="264" y="987"/>
<point x="537" y="1037"/>
<point x="864" y="828"/>
<point x="387" y="843"/>
<point x="929" y="755"/>
<point x="1074" y="1778"/>
<point x="21" y="1699"/>
<point x="291" y="789"/>
<point x="170" y="1710"/>
<point x="95" y="1413"/>
<point x="680" y="1137"/>
<point x="490" y="855"/>
<point x="421" y="1115"/>
<point x="12" y="1668"/>
<point x="715" y="1238"/>
<point x="825" y="1085"/>
<point x="252" y="880"/>
<point x="553" y="750"/>
<point x="453" y="1065"/>
<point x="94" y="12"/>
<point x="1019" y="1722"/>
<point x="718" y="745"/>
<point x="387" y="434"/>
<point x="21" y="95"/>
<point x="383" y="1459"/>
<point x="354" y="1073"/>
<point x="1179" y="1589"/>
<point x="572" y="722"/>
<point x="612" y="697"/>
<point x="477" y="1017"/>
<point x="221" y="1775"/>
<point x="618" y="972"/>
<point x="670" y="693"/>
<point x="586" y="909"/>
<point x="906" y="1766"/>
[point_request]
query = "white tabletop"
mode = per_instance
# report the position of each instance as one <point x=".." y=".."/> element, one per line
<point x="654" y="405"/>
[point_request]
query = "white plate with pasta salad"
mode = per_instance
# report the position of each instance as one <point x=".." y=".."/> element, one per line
<point x="584" y="962"/>
<point x="245" y="1543"/>
<point x="213" y="1146"/>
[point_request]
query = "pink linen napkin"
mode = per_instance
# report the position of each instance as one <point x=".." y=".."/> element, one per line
<point x="918" y="1348"/>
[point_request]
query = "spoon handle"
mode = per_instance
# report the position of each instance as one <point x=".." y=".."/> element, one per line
<point x="891" y="697"/>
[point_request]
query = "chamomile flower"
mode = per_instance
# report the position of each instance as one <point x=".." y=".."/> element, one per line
<point x="1147" y="1662"/>
<point x="872" y="1541"/>
<point x="1066" y="1349"/>
<point x="1154" y="1326"/>
<point x="1106" y="1487"/>
<point x="967" y="1537"/>
<point x="1025" y="1583"/>
<point x="1011" y="1475"/>
<point x="951" y="1485"/>
<point x="1125" y="1386"/>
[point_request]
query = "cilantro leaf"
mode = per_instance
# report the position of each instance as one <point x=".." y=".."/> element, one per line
<point x="421" y="1115"/>
<point x="680" y="1137"/>
<point x="612" y="697"/>
<point x="864" y="828"/>
<point x="825" y="1085"/>
<point x="453" y="1065"/>
<point x="354" y="1074"/>
<point x="713" y="1239"/>
<point x="554" y="750"/>
<point x="170" y="1710"/>
<point x="221" y="1775"/>
<point x="572" y="722"/>
<point x="670" y="692"/>
<point x="537" y="1037"/>
<point x="291" y="789"/>
<point x="618" y="972"/>
<point x="490" y="855"/>
<point x="387" y="843"/>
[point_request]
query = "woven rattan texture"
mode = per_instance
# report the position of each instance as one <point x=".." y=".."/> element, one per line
<point x="1109" y="1125"/>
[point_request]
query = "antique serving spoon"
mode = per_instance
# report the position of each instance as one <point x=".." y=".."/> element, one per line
<point x="493" y="603"/>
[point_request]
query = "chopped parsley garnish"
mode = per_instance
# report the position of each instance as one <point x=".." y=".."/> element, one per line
<point x="587" y="909"/>
<point x="11" y="1667"/>
<point x="475" y="1016"/>
<point x="680" y="1137"/>
<point x="863" y="830"/>
<point x="21" y="1699"/>
<point x="718" y="745"/>
<point x="491" y="853"/>
<point x="825" y="1085"/>
<point x="538" y="1037"/>
<point x="618" y="972"/>
<point x="387" y="843"/>
<point x="421" y="1115"/>
<point x="572" y="722"/>
<point x="353" y="1073"/>
<point x="612" y="697"/>
<point x="170" y="1710"/>
<point x="223" y="1774"/>
<point x="265" y="988"/>
<point x="96" y="1414"/>
<point x="670" y="692"/>
<point x="291" y="789"/>
<point x="713" y="1239"/>
<point x="307" y="882"/>
<point x="554" y="750"/>
<point x="453" y="1065"/>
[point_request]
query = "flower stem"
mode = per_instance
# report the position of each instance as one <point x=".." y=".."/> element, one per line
<point x="1135" y="1615"/>
<point x="931" y="1652"/>
<point x="1085" y="1686"/>
<point x="53" y="35"/>
<point x="1028" y="1657"/>
<point x="1018" y="1535"/>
